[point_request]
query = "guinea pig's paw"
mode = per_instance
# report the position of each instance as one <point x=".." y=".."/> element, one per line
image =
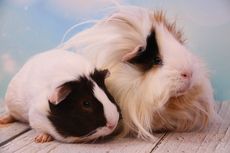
<point x="43" y="137"/>
<point x="5" y="119"/>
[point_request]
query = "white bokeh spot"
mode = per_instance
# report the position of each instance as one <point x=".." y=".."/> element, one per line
<point x="8" y="63"/>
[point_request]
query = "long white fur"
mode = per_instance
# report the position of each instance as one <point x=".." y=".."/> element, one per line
<point x="28" y="92"/>
<point x="149" y="101"/>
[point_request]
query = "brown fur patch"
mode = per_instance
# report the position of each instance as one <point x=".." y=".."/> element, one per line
<point x="160" y="17"/>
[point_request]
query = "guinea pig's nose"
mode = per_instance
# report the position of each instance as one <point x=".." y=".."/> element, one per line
<point x="110" y="126"/>
<point x="186" y="75"/>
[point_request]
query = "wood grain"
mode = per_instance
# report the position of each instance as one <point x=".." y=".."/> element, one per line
<point x="214" y="139"/>
<point x="25" y="143"/>
<point x="10" y="131"/>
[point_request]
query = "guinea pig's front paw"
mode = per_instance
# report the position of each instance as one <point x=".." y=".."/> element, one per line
<point x="43" y="137"/>
<point x="5" y="119"/>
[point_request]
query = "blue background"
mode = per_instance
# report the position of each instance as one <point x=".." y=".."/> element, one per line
<point x="28" y="27"/>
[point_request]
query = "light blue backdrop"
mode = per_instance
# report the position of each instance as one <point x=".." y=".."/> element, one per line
<point x="28" y="27"/>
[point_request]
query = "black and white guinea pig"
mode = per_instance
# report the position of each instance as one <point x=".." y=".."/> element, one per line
<point x="157" y="82"/>
<point x="63" y="97"/>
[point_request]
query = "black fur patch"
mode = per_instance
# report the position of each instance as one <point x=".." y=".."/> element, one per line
<point x="99" y="77"/>
<point x="149" y="56"/>
<point x="80" y="113"/>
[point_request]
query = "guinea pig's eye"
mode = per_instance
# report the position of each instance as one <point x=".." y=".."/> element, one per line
<point x="157" y="61"/>
<point x="87" y="104"/>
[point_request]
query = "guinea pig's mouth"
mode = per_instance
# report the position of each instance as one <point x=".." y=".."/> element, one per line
<point x="101" y="133"/>
<point x="90" y="133"/>
<point x="180" y="93"/>
<point x="98" y="129"/>
<point x="182" y="90"/>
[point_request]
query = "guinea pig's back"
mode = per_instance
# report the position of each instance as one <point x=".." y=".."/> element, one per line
<point x="39" y="76"/>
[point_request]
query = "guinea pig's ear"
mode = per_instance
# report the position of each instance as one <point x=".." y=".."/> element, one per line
<point x="145" y="56"/>
<point x="99" y="76"/>
<point x="59" y="94"/>
<point x="132" y="54"/>
<point x="104" y="73"/>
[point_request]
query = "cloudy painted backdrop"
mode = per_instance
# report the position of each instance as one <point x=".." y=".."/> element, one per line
<point x="28" y="27"/>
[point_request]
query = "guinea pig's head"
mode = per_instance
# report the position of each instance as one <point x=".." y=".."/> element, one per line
<point x="83" y="110"/>
<point x="164" y="62"/>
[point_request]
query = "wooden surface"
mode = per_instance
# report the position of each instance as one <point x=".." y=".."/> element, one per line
<point x="10" y="131"/>
<point x="20" y="139"/>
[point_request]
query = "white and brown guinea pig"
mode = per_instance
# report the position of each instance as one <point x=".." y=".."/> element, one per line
<point x="63" y="97"/>
<point x="158" y="83"/>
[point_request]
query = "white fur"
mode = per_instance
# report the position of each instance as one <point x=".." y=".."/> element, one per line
<point x="110" y="110"/>
<point x="28" y="92"/>
<point x="157" y="99"/>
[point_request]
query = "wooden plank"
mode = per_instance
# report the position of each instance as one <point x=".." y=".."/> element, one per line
<point x="10" y="131"/>
<point x="25" y="143"/>
<point x="215" y="139"/>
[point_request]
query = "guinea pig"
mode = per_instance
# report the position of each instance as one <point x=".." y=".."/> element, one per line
<point x="63" y="97"/>
<point x="158" y="83"/>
